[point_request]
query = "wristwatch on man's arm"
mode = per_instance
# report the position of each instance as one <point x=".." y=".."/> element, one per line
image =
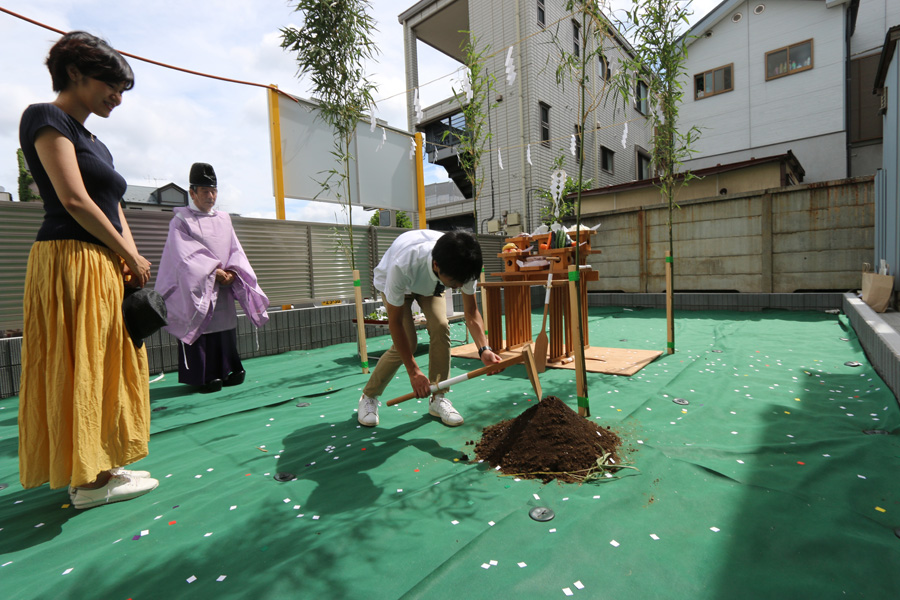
<point x="482" y="349"/>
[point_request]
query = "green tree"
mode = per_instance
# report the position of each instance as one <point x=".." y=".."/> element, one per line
<point x="574" y="66"/>
<point x="332" y="46"/>
<point x="403" y="221"/>
<point x="549" y="212"/>
<point x="658" y="61"/>
<point x="25" y="180"/>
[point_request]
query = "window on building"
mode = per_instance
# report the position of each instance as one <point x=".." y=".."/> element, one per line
<point x="641" y="98"/>
<point x="578" y="137"/>
<point x="866" y="122"/>
<point x="576" y="38"/>
<point x="541" y="13"/>
<point x="642" y="164"/>
<point x="716" y="81"/>
<point x="789" y="60"/>
<point x="607" y="160"/>
<point x="545" y="124"/>
<point x="603" y="67"/>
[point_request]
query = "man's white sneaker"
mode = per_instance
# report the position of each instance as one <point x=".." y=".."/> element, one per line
<point x="118" y="488"/>
<point x="439" y="406"/>
<point x="368" y="411"/>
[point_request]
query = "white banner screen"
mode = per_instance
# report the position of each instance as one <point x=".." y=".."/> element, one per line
<point x="381" y="176"/>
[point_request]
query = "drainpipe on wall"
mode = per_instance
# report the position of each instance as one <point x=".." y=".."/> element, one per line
<point x="522" y="137"/>
<point x="491" y="164"/>
<point x="847" y="51"/>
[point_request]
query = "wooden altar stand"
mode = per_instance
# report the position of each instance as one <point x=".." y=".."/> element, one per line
<point x="517" y="279"/>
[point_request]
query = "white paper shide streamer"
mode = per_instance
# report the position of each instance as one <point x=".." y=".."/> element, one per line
<point x="418" y="107"/>
<point x="572" y="145"/>
<point x="412" y="148"/>
<point x="383" y="139"/>
<point x="528" y="154"/>
<point x="499" y="159"/>
<point x="465" y="83"/>
<point x="557" y="185"/>
<point x="625" y="135"/>
<point x="510" y="67"/>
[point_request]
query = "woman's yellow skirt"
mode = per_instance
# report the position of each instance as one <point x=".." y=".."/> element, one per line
<point x="84" y="398"/>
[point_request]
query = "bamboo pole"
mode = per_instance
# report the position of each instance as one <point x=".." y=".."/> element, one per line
<point x="670" y="309"/>
<point x="360" y="322"/>
<point x="581" y="390"/>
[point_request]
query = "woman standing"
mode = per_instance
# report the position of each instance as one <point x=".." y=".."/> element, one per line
<point x="85" y="398"/>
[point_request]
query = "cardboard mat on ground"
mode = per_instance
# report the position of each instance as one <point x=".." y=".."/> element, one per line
<point x="611" y="361"/>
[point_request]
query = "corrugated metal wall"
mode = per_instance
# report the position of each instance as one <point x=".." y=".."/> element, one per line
<point x="17" y="231"/>
<point x="297" y="263"/>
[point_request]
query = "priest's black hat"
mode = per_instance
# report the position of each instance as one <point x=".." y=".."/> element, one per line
<point x="203" y="174"/>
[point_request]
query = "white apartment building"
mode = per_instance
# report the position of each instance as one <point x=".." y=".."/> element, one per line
<point x="535" y="116"/>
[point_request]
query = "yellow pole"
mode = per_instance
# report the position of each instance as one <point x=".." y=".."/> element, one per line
<point x="420" y="181"/>
<point x="277" y="162"/>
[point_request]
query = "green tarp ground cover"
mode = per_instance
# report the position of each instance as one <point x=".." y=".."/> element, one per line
<point x="763" y="484"/>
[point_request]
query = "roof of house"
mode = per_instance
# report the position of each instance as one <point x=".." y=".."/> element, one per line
<point x="726" y="8"/>
<point x="887" y="53"/>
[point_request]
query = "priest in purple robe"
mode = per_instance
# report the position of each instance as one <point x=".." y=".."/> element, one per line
<point x="202" y="272"/>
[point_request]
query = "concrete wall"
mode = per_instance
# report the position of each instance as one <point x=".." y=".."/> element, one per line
<point x="806" y="237"/>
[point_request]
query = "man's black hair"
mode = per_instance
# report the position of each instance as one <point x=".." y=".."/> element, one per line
<point x="458" y="255"/>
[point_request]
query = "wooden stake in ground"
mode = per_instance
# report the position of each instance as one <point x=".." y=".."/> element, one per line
<point x="360" y="322"/>
<point x="670" y="308"/>
<point x="581" y="390"/>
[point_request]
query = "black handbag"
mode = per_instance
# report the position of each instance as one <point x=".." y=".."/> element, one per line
<point x="145" y="313"/>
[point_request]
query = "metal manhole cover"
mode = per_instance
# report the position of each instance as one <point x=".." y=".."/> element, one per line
<point x="541" y="513"/>
<point x="303" y="404"/>
<point x="876" y="432"/>
<point x="853" y="363"/>
<point x="681" y="401"/>
<point x="717" y="351"/>
<point x="285" y="477"/>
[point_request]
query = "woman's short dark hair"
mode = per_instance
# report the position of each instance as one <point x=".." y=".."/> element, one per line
<point x="92" y="56"/>
<point x="458" y="255"/>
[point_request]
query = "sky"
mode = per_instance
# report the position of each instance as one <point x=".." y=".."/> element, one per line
<point x="173" y="119"/>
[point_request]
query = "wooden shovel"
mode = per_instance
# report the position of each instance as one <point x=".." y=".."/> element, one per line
<point x="541" y="343"/>
<point x="525" y="358"/>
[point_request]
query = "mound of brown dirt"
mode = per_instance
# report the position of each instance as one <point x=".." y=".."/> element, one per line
<point x="548" y="441"/>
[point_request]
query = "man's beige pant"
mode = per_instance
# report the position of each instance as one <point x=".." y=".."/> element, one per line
<point x="435" y="311"/>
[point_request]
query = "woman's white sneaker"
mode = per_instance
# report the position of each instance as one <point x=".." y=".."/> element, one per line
<point x="118" y="488"/>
